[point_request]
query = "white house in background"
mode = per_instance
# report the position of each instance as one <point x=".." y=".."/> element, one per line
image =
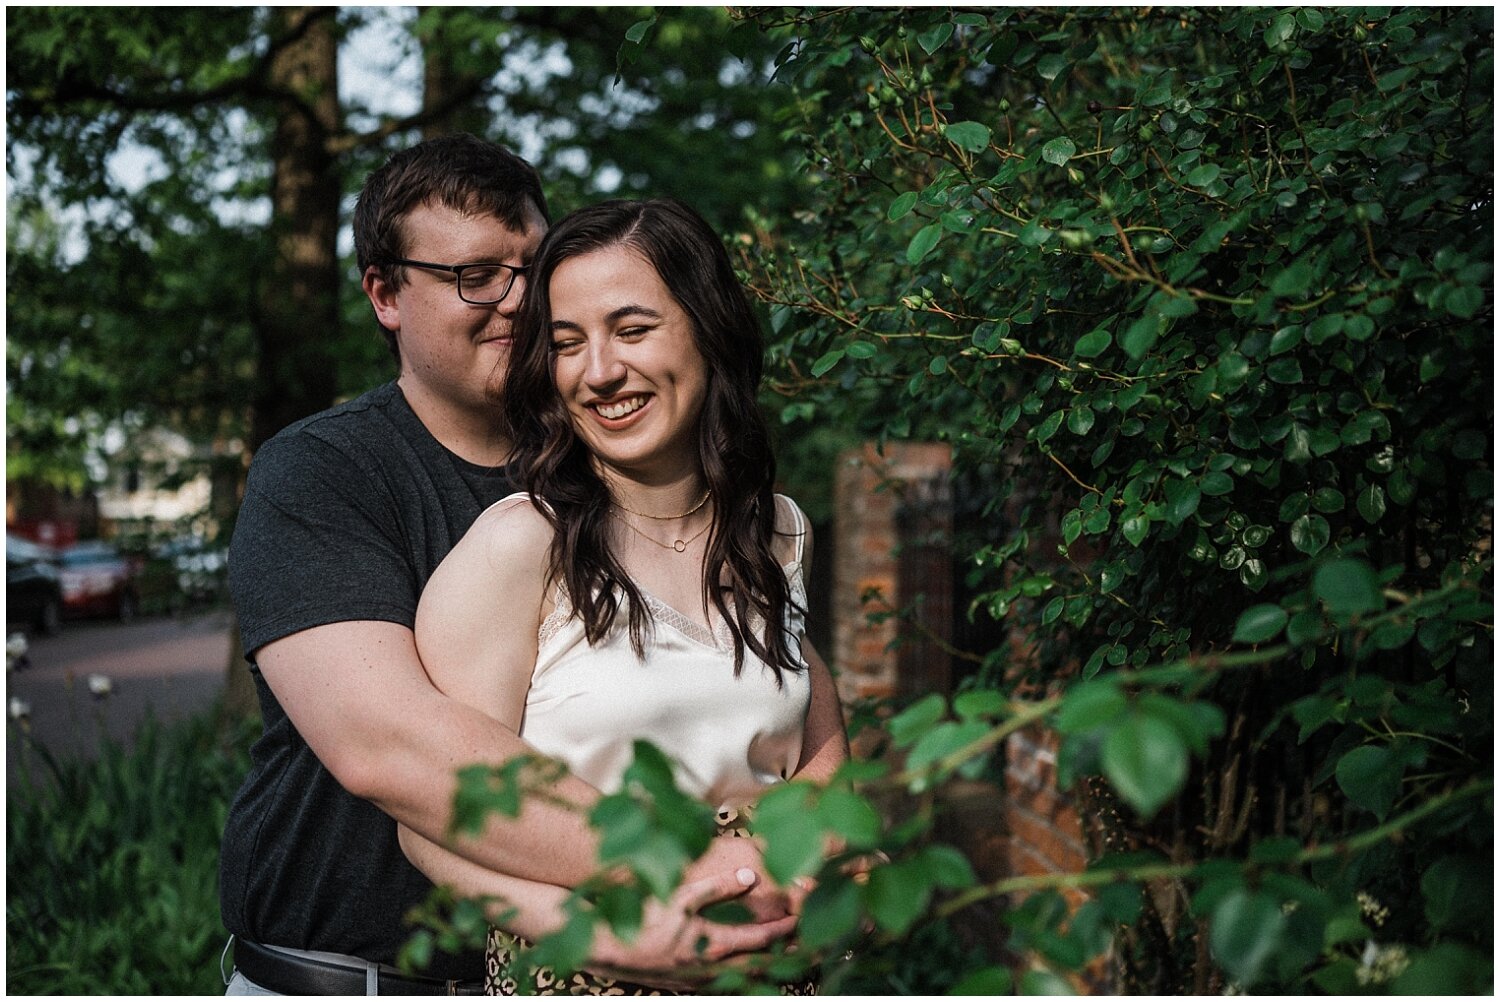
<point x="161" y="479"/>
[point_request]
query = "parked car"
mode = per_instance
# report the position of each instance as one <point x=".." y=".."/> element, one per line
<point x="198" y="568"/>
<point x="97" y="580"/>
<point x="33" y="589"/>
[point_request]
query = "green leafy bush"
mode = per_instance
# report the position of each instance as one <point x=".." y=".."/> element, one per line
<point x="1204" y="298"/>
<point x="112" y="865"/>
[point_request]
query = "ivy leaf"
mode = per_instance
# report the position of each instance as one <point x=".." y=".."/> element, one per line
<point x="1059" y="151"/>
<point x="1260" y="623"/>
<point x="1245" y="932"/>
<point x="1136" y="528"/>
<point x="1146" y="761"/>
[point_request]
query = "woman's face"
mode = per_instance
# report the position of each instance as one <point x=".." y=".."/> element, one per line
<point x="626" y="365"/>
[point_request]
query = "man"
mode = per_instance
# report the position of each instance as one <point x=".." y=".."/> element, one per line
<point x="346" y="514"/>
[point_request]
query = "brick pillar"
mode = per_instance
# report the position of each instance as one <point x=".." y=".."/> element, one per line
<point x="877" y="497"/>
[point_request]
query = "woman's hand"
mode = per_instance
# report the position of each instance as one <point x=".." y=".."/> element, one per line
<point x="679" y="949"/>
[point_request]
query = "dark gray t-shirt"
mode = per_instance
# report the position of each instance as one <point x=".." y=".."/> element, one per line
<point x="346" y="515"/>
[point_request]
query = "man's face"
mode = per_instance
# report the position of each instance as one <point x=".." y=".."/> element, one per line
<point x="452" y="351"/>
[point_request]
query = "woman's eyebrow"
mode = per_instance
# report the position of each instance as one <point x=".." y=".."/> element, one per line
<point x="614" y="316"/>
<point x="632" y="309"/>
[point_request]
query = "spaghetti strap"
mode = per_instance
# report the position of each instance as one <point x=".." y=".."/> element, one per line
<point x="799" y="527"/>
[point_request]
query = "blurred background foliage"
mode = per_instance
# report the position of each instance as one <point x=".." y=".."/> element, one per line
<point x="1202" y="300"/>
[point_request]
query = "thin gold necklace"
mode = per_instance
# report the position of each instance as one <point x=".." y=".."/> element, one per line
<point x="667" y="518"/>
<point x="680" y="545"/>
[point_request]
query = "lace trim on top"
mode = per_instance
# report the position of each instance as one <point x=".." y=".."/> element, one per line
<point x="719" y="639"/>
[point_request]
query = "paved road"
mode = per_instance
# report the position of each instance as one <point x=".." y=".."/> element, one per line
<point x="169" y="667"/>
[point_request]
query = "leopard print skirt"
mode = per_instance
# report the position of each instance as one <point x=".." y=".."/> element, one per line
<point x="501" y="948"/>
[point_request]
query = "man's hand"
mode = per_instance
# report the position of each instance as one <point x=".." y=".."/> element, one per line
<point x="676" y="947"/>
<point x="767" y="902"/>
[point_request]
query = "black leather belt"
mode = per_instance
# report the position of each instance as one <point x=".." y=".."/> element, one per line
<point x="293" y="975"/>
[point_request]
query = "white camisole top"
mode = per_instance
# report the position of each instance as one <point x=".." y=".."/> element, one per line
<point x="728" y="737"/>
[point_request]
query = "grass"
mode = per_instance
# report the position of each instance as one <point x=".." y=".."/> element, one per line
<point x="112" y="863"/>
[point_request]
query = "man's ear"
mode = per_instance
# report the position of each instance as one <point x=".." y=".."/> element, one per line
<point x="382" y="296"/>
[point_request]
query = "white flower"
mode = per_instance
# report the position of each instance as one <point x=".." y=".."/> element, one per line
<point x="15" y="645"/>
<point x="1379" y="964"/>
<point x="19" y="708"/>
<point x="100" y="686"/>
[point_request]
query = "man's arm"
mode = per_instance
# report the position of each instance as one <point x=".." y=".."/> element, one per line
<point x="673" y="938"/>
<point x="359" y="696"/>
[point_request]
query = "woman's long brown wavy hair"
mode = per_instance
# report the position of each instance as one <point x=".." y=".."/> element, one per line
<point x="741" y="576"/>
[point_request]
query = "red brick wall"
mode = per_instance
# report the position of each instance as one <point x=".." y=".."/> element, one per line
<point x="882" y="499"/>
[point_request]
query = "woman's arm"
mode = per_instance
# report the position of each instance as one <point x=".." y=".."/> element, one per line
<point x="825" y="739"/>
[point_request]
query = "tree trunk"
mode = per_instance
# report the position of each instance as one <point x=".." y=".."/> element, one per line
<point x="298" y="314"/>
<point x="444" y="79"/>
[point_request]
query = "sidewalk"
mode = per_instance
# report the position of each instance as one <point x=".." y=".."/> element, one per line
<point x="95" y="678"/>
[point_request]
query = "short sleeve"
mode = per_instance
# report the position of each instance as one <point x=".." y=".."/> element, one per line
<point x="316" y="542"/>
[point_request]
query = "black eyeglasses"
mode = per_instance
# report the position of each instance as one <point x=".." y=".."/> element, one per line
<point x="480" y="284"/>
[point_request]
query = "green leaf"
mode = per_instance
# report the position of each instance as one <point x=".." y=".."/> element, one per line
<point x="1310" y="534"/>
<point x="1089" y="705"/>
<point x="901" y="206"/>
<point x="970" y="136"/>
<point x="1140" y="336"/>
<point x="1216" y="484"/>
<point x="831" y="912"/>
<point x="1447" y="969"/>
<point x="1260" y="623"/>
<point x="636" y="32"/>
<point x="861" y="349"/>
<point x="1348" y="587"/>
<point x="1059" y="151"/>
<point x="1292" y="281"/>
<point x="897" y="895"/>
<point x="1370" y="777"/>
<point x="1183" y="498"/>
<point x="933" y="38"/>
<point x="1093" y="344"/>
<point x="947" y="867"/>
<point x="794" y="846"/>
<point x="827" y="361"/>
<point x="1245" y="932"/>
<point x="944" y="740"/>
<point x="1146" y="761"/>
<point x="850" y="816"/>
<point x="1051" y="65"/>
<point x="1136" y="528"/>
<point x="985" y="981"/>
<point x="1371" y="503"/>
<point x="1203" y="175"/>
<point x="916" y="720"/>
<point x="1080" y="419"/>
<point x="1448" y="892"/>
<point x="923" y="242"/>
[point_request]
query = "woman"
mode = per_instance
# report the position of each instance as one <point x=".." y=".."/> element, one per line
<point x="657" y="593"/>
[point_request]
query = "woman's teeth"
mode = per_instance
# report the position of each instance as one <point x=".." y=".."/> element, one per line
<point x="620" y="408"/>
